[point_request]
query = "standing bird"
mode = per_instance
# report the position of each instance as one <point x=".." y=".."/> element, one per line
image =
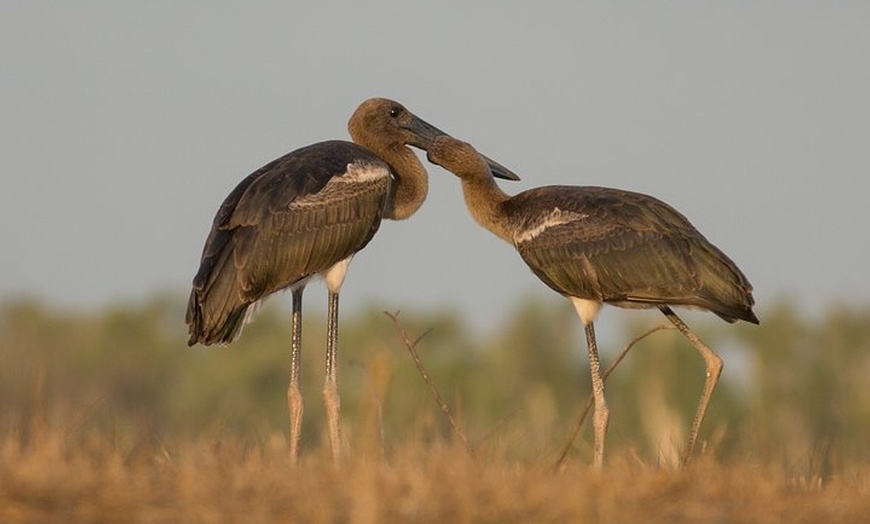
<point x="305" y="214"/>
<point x="597" y="245"/>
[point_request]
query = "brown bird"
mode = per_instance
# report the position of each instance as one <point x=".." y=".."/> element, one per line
<point x="597" y="245"/>
<point x="303" y="215"/>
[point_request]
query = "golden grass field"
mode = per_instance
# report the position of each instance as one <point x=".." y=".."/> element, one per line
<point x="224" y="480"/>
<point x="108" y="418"/>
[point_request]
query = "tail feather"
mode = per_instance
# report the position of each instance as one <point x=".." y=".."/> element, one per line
<point x="216" y="311"/>
<point x="723" y="285"/>
<point x="209" y="329"/>
<point x="733" y="314"/>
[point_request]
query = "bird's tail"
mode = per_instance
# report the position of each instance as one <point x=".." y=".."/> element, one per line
<point x="725" y="287"/>
<point x="208" y="325"/>
<point x="216" y="313"/>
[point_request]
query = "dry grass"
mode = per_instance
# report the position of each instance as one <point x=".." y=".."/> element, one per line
<point x="107" y="418"/>
<point x="96" y="480"/>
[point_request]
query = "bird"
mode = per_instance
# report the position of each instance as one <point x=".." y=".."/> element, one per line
<point x="599" y="245"/>
<point x="303" y="215"/>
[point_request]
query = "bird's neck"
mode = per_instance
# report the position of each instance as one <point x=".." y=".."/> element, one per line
<point x="411" y="185"/>
<point x="485" y="202"/>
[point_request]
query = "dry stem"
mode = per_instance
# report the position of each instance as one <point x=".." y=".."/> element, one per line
<point x="412" y="348"/>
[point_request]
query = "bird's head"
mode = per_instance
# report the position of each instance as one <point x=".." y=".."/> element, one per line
<point x="458" y="157"/>
<point x="381" y="123"/>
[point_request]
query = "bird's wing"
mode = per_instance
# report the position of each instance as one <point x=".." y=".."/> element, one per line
<point x="291" y="219"/>
<point x="626" y="248"/>
<point x="292" y="240"/>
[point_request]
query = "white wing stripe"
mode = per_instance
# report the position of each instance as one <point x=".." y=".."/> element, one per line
<point x="555" y="218"/>
<point x="363" y="173"/>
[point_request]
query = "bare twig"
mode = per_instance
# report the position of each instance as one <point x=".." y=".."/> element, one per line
<point x="588" y="406"/>
<point x="83" y="416"/>
<point x="412" y="348"/>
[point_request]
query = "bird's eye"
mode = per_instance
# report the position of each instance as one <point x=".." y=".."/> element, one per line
<point x="394" y="112"/>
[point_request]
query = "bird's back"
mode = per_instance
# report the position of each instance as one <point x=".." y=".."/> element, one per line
<point x="289" y="220"/>
<point x="626" y="249"/>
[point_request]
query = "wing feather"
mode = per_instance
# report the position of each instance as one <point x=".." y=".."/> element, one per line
<point x="627" y="249"/>
<point x="288" y="221"/>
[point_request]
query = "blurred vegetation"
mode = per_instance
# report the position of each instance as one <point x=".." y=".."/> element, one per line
<point x="794" y="393"/>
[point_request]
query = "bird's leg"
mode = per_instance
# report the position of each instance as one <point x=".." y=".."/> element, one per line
<point x="330" y="389"/>
<point x="713" y="365"/>
<point x="602" y="414"/>
<point x="294" y="395"/>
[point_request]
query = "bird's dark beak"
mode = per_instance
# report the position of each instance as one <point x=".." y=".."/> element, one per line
<point x="499" y="171"/>
<point x="423" y="133"/>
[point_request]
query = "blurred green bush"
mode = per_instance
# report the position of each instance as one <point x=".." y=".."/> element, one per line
<point x="795" y="391"/>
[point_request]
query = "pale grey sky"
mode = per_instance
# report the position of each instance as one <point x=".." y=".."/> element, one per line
<point x="122" y="128"/>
